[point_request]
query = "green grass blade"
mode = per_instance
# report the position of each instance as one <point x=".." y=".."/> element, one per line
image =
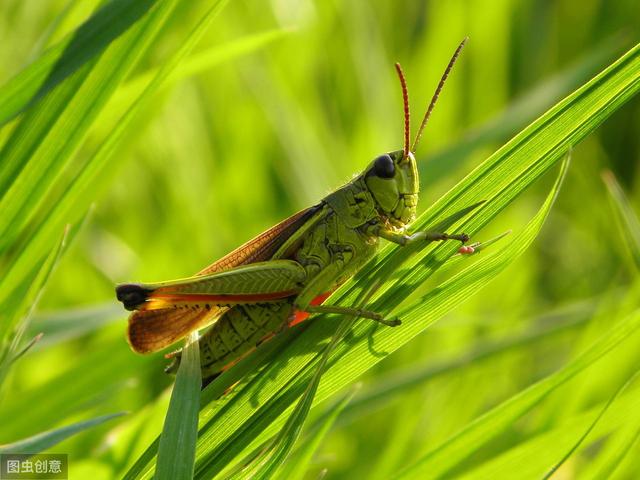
<point x="610" y="461"/>
<point x="593" y="424"/>
<point x="626" y="218"/>
<point x="393" y="385"/>
<point x="82" y="189"/>
<point x="176" y="453"/>
<point x="17" y="316"/>
<point x="205" y="60"/>
<point x="64" y="59"/>
<point x="46" y="138"/>
<point x="532" y="456"/>
<point x="45" y="440"/>
<point x="273" y="457"/>
<point x="444" y="457"/>
<point x="299" y="462"/>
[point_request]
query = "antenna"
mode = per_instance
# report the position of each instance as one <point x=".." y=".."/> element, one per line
<point x="405" y="100"/>
<point x="434" y="99"/>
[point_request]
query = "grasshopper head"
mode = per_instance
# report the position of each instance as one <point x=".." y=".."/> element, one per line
<point x="392" y="180"/>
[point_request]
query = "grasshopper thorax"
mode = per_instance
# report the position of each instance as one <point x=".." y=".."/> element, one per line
<point x="392" y="180"/>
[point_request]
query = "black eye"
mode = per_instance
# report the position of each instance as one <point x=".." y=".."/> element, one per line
<point x="384" y="167"/>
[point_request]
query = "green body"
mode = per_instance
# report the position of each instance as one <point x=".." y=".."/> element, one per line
<point x="331" y="246"/>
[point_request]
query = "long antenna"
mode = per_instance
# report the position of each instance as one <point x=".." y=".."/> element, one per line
<point x="405" y="100"/>
<point x="434" y="99"/>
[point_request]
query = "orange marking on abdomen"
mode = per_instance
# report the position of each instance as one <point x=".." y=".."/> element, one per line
<point x="300" y="316"/>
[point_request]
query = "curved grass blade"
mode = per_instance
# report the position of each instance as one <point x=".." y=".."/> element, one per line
<point x="191" y="66"/>
<point x="67" y="57"/>
<point x="532" y="456"/>
<point x="18" y="314"/>
<point x="626" y="218"/>
<point x="593" y="424"/>
<point x="176" y="453"/>
<point x="202" y="61"/>
<point x="46" y="138"/>
<point x="298" y="463"/>
<point x="274" y="455"/>
<point x="610" y="461"/>
<point x="82" y="189"/>
<point x="391" y="386"/>
<point x="43" y="441"/>
<point x="448" y="454"/>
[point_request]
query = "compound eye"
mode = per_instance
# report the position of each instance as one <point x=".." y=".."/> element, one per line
<point x="384" y="167"/>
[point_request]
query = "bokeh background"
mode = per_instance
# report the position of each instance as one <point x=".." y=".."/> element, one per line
<point x="247" y="138"/>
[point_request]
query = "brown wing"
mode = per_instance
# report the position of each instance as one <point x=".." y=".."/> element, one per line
<point x="262" y="247"/>
<point x="151" y="330"/>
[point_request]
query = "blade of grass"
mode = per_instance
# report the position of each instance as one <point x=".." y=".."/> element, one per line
<point x="626" y="218"/>
<point x="47" y="137"/>
<point x="202" y="61"/>
<point x="449" y="453"/>
<point x="82" y="189"/>
<point x="45" y="440"/>
<point x="274" y="456"/>
<point x="19" y="310"/>
<point x="67" y="57"/>
<point x="398" y="382"/>
<point x="18" y="316"/>
<point x="532" y="456"/>
<point x="610" y="461"/>
<point x="593" y="424"/>
<point x="176" y="453"/>
<point x="299" y="462"/>
<point x="193" y="65"/>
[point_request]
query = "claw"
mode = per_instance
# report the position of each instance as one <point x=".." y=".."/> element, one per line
<point x="394" y="322"/>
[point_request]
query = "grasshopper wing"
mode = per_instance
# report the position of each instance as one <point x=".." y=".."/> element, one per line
<point x="156" y="325"/>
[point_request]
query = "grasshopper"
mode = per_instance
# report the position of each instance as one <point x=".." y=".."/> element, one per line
<point x="284" y="274"/>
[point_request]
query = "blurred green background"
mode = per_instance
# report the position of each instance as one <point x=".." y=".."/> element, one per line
<point x="248" y="138"/>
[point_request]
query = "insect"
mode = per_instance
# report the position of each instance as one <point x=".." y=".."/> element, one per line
<point x="285" y="274"/>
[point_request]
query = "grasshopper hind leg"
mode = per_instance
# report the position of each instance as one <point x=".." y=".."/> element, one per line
<point x="355" y="312"/>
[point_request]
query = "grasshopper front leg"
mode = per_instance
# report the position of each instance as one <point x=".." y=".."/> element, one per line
<point x="404" y="239"/>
